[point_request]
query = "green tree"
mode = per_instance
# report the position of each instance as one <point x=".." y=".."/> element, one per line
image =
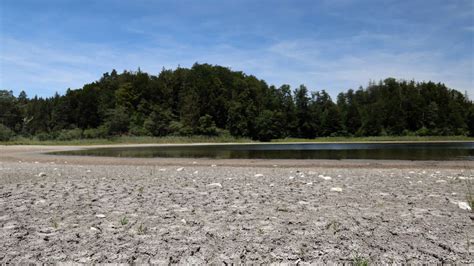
<point x="117" y="121"/>
<point x="206" y="126"/>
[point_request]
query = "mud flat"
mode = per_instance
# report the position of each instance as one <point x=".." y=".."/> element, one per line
<point x="87" y="209"/>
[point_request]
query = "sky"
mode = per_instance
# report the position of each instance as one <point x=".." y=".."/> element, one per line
<point x="49" y="46"/>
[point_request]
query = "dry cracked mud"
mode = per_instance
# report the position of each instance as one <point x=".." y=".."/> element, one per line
<point x="55" y="212"/>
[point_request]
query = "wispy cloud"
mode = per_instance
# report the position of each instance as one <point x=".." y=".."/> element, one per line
<point x="331" y="45"/>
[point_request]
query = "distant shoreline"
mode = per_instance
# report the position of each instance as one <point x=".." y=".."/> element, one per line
<point x="197" y="140"/>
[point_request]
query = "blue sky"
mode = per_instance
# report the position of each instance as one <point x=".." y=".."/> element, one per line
<point x="51" y="45"/>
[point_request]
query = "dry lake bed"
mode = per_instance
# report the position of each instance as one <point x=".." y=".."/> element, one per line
<point x="61" y="209"/>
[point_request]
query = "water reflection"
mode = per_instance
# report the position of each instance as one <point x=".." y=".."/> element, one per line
<point x="386" y="151"/>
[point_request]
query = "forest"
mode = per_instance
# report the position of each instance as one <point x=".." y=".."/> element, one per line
<point x="214" y="100"/>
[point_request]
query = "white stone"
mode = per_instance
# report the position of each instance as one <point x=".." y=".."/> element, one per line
<point x="441" y="181"/>
<point x="194" y="162"/>
<point x="41" y="174"/>
<point x="271" y="185"/>
<point x="407" y="177"/>
<point x="463" y="205"/>
<point x="309" y="183"/>
<point x="303" y="202"/>
<point x="196" y="172"/>
<point x="325" y="177"/>
<point x="258" y="175"/>
<point x="41" y="201"/>
<point x="462" y="177"/>
<point x="100" y="216"/>
<point x="94" y="229"/>
<point x="215" y="185"/>
<point x="183" y="221"/>
<point x="336" y="189"/>
<point x="291" y="177"/>
<point x="213" y="165"/>
<point x="180" y="169"/>
<point x="162" y="169"/>
<point x="88" y="171"/>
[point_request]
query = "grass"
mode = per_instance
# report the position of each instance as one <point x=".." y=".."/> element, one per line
<point x="221" y="139"/>
<point x="55" y="224"/>
<point x="142" y="229"/>
<point x="128" y="140"/>
<point x="378" y="139"/>
<point x="470" y="194"/>
<point x="360" y="261"/>
<point x="124" y="220"/>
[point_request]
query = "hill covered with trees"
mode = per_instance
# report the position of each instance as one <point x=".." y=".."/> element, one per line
<point x="212" y="100"/>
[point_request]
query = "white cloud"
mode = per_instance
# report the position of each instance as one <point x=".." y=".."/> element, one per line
<point x="334" y="65"/>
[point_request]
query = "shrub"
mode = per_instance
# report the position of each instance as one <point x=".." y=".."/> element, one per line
<point x="423" y="132"/>
<point x="43" y="136"/>
<point x="136" y="130"/>
<point x="206" y="126"/>
<point x="70" y="134"/>
<point x="5" y="133"/>
<point x="95" y="133"/>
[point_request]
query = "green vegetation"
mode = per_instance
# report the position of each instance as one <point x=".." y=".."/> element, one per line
<point x="379" y="139"/>
<point x="470" y="194"/>
<point x="142" y="229"/>
<point x="360" y="261"/>
<point x="124" y="220"/>
<point x="55" y="224"/>
<point x="216" y="103"/>
<point x="129" y="140"/>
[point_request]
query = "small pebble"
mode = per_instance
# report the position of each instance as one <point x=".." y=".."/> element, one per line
<point x="215" y="185"/>
<point x="325" y="177"/>
<point x="258" y="175"/>
<point x="180" y="169"/>
<point x="336" y="189"/>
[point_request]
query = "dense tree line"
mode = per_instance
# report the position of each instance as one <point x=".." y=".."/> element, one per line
<point x="212" y="100"/>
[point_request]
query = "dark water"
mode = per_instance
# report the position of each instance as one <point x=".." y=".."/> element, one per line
<point x="381" y="151"/>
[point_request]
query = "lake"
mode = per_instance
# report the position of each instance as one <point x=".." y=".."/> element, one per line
<point x="440" y="151"/>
